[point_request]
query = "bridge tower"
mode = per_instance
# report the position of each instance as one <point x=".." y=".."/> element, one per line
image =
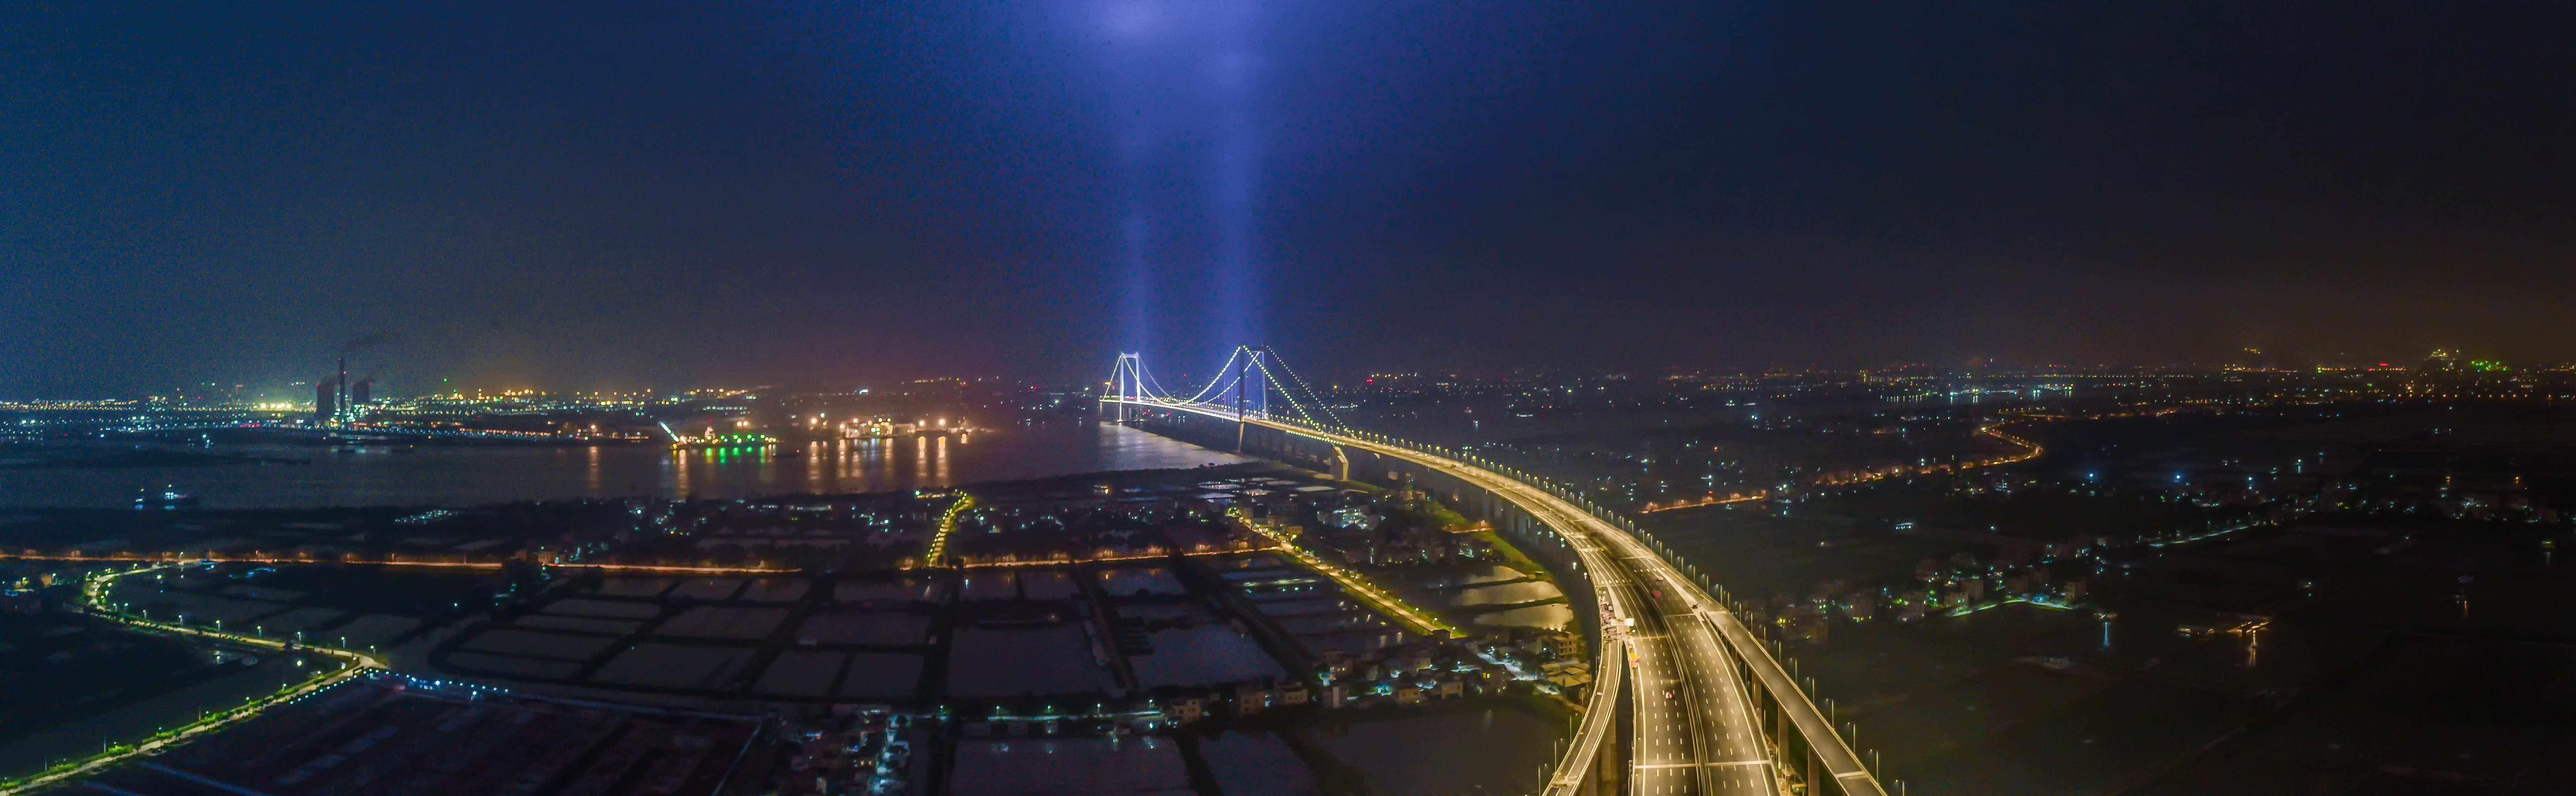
<point x="1242" y="382"/>
<point x="1127" y="381"/>
<point x="1261" y="400"/>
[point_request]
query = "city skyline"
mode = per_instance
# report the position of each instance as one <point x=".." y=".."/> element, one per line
<point x="1286" y="398"/>
<point x="276" y="392"/>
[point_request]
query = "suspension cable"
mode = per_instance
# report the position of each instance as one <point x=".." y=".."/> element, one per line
<point x="1283" y="393"/>
<point x="1301" y="382"/>
<point x="1220" y="375"/>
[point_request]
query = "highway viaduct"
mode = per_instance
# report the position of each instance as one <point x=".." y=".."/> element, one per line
<point x="1706" y="706"/>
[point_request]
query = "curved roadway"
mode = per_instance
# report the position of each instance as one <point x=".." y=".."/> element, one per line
<point x="1696" y="730"/>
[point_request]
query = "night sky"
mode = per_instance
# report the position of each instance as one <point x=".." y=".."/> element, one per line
<point x="623" y="194"/>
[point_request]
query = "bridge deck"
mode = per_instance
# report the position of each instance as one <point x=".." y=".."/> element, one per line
<point x="1710" y="735"/>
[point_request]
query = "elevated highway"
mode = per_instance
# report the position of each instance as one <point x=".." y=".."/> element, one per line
<point x="1712" y="711"/>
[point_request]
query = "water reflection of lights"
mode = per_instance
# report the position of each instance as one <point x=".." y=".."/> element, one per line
<point x="2251" y="630"/>
<point x="837" y="465"/>
<point x="815" y="464"/>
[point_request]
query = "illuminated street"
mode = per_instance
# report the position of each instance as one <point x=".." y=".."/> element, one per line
<point x="1704" y="737"/>
<point x="1767" y="398"/>
<point x="95" y="591"/>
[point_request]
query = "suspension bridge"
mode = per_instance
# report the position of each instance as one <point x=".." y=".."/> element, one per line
<point x="1707" y="706"/>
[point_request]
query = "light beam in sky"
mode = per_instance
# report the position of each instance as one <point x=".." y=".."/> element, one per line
<point x="1186" y="73"/>
<point x="1234" y="177"/>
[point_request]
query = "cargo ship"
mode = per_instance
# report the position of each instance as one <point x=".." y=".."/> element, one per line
<point x="882" y="428"/>
<point x="724" y="441"/>
<point x="711" y="439"/>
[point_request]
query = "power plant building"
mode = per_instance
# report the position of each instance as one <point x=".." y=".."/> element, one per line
<point x="326" y="399"/>
<point x="337" y="400"/>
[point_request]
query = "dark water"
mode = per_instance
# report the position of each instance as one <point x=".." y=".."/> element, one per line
<point x="474" y="475"/>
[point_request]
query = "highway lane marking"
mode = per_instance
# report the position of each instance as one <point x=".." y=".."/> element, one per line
<point x="1580" y="532"/>
<point x="1712" y="764"/>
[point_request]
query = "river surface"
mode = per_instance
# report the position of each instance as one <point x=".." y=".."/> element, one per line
<point x="469" y="475"/>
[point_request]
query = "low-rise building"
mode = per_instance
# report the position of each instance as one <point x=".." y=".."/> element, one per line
<point x="1251" y="698"/>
